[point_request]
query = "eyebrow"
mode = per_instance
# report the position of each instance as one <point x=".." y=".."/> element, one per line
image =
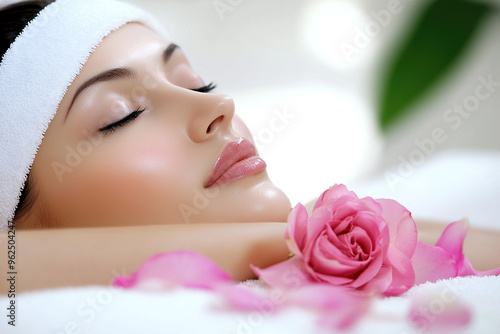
<point x="116" y="74"/>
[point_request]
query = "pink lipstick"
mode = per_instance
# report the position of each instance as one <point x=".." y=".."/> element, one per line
<point x="237" y="160"/>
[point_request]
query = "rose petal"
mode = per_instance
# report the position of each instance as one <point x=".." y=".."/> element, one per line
<point x="353" y="207"/>
<point x="359" y="243"/>
<point x="332" y="267"/>
<point x="432" y="263"/>
<point x="326" y="254"/>
<point x="320" y="200"/>
<point x="176" y="268"/>
<point x="333" y="280"/>
<point x="403" y="274"/>
<point x="296" y="231"/>
<point x="328" y="268"/>
<point x="369" y="204"/>
<point x="333" y="238"/>
<point x="242" y="298"/>
<point x="376" y="228"/>
<point x="289" y="274"/>
<point x="333" y="194"/>
<point x="371" y="270"/>
<point x="379" y="283"/>
<point x="431" y="313"/>
<point x="339" y="308"/>
<point x="402" y="227"/>
<point x="452" y="240"/>
<point x="316" y="223"/>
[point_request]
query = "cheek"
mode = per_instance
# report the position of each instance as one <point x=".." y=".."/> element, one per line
<point x="148" y="167"/>
<point x="144" y="180"/>
<point x="241" y="128"/>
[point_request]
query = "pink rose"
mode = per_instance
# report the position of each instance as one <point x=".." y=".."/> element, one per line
<point x="364" y="244"/>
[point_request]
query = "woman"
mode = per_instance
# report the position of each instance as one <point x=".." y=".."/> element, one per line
<point x="134" y="148"/>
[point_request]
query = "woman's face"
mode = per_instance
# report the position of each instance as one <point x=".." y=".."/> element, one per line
<point x="133" y="144"/>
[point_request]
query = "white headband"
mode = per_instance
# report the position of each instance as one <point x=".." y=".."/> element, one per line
<point x="35" y="73"/>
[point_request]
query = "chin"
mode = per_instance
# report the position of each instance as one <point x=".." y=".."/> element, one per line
<point x="272" y="205"/>
<point x="247" y="200"/>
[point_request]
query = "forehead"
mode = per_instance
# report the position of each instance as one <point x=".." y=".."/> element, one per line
<point x="131" y="44"/>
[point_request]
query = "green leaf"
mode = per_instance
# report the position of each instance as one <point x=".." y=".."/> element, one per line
<point x="430" y="49"/>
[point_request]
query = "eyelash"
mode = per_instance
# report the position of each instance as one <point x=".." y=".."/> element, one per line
<point x="136" y="113"/>
<point x="122" y="122"/>
<point x="205" y="89"/>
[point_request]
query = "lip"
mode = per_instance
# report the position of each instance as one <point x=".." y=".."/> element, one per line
<point x="237" y="160"/>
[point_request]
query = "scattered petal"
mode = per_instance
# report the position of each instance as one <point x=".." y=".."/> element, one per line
<point x="176" y="268"/>
<point x="452" y="240"/>
<point x="432" y="263"/>
<point x="339" y="308"/>
<point x="242" y="298"/>
<point x="430" y="312"/>
<point x="289" y="274"/>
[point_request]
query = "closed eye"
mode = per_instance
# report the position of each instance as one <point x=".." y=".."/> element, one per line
<point x="205" y="89"/>
<point x="136" y="113"/>
<point x="122" y="122"/>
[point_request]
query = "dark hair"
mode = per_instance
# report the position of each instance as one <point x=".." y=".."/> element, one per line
<point x="13" y="19"/>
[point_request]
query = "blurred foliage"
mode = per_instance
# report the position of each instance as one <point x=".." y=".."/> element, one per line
<point x="440" y="35"/>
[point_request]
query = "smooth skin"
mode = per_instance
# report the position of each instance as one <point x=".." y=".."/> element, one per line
<point x="53" y="258"/>
<point x="153" y="169"/>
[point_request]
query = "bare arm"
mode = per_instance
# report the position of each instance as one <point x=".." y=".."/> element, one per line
<point x="83" y="256"/>
<point x="71" y="257"/>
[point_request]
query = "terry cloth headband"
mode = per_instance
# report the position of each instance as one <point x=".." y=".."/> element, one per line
<point x="35" y="73"/>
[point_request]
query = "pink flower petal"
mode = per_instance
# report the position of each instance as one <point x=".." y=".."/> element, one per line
<point x="452" y="240"/>
<point x="331" y="261"/>
<point x="316" y="223"/>
<point x="176" y="268"/>
<point x="372" y="223"/>
<point x="320" y="200"/>
<point x="432" y="263"/>
<point x="289" y="274"/>
<point x="242" y="298"/>
<point x="333" y="280"/>
<point x="379" y="283"/>
<point x="431" y="312"/>
<point x="467" y="269"/>
<point x="339" y="307"/>
<point x="371" y="271"/>
<point x="296" y="232"/>
<point x="369" y="204"/>
<point x="402" y="227"/>
<point x="333" y="194"/>
<point x="403" y="274"/>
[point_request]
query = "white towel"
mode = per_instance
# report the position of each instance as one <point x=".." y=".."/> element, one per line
<point x="101" y="309"/>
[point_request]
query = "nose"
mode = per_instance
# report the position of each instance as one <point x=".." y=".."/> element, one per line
<point x="210" y="115"/>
